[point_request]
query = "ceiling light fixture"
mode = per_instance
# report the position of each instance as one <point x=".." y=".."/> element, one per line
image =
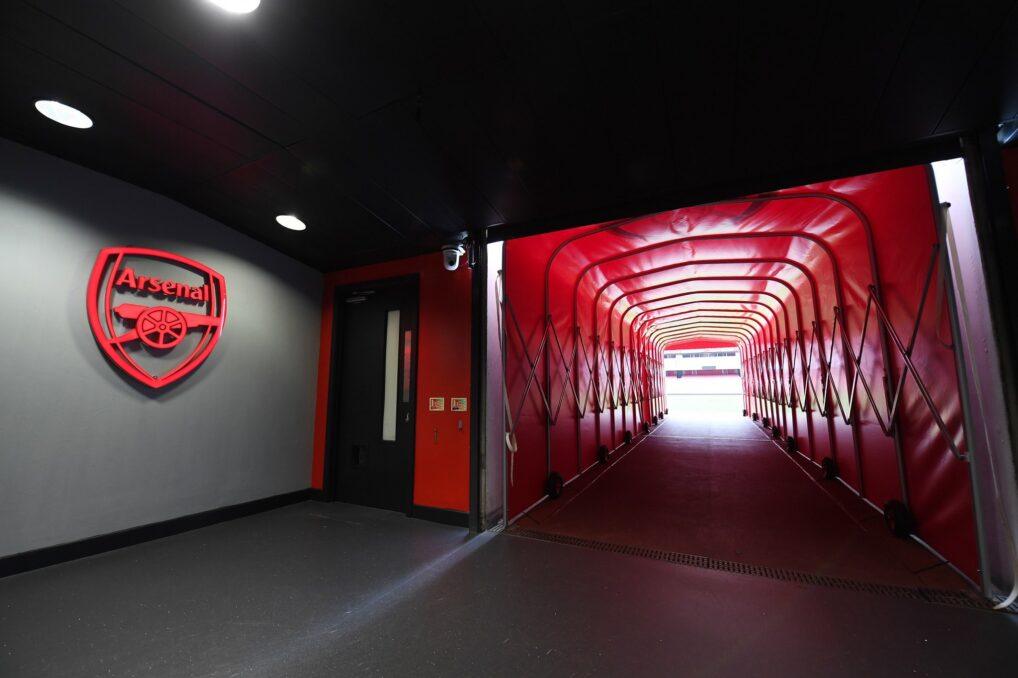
<point x="65" y="115"/>
<point x="291" y="222"/>
<point x="237" y="6"/>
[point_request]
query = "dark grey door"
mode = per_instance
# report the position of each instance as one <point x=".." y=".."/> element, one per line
<point x="373" y="394"/>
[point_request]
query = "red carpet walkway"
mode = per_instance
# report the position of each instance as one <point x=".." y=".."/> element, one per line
<point x="716" y="486"/>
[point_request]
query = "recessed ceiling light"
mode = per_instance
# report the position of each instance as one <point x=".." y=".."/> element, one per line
<point x="237" y="6"/>
<point x="65" y="115"/>
<point x="291" y="222"/>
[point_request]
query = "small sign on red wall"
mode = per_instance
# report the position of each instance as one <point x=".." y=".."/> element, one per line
<point x="436" y="404"/>
<point x="140" y="314"/>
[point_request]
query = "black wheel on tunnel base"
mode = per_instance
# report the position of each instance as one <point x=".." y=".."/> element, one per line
<point x="745" y="413"/>
<point x="899" y="519"/>
<point x="756" y="417"/>
<point x="645" y="427"/>
<point x="653" y="420"/>
<point x="829" y="468"/>
<point x="666" y="410"/>
<point x="660" y="415"/>
<point x="775" y="431"/>
<point x="793" y="446"/>
<point x="627" y="437"/>
<point x="602" y="454"/>
<point x="554" y="485"/>
<point x="766" y="421"/>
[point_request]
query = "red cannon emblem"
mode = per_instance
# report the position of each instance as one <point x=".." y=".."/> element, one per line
<point x="156" y="315"/>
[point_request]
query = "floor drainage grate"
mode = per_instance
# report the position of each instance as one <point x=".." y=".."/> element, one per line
<point x="935" y="596"/>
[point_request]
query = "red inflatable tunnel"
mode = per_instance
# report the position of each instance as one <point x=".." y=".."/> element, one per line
<point x="831" y="291"/>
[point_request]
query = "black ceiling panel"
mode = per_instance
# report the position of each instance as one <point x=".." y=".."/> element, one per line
<point x="129" y="139"/>
<point x="989" y="95"/>
<point x="855" y="63"/>
<point x="389" y="126"/>
<point x="622" y="71"/>
<point x="944" y="45"/>
<point x="123" y="36"/>
<point x="326" y="167"/>
<point x="777" y="55"/>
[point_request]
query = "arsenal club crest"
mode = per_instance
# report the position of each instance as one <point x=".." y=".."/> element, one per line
<point x="156" y="315"/>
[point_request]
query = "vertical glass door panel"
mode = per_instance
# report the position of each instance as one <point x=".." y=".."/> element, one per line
<point x="391" y="376"/>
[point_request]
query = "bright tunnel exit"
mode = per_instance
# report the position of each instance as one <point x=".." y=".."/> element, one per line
<point x="703" y="379"/>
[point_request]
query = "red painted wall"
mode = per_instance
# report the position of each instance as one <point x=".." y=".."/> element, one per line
<point x="442" y="468"/>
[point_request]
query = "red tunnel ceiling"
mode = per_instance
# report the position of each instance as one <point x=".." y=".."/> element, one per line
<point x="765" y="273"/>
<point x="691" y="344"/>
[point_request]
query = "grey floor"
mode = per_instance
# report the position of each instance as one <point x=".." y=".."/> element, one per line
<point x="333" y="590"/>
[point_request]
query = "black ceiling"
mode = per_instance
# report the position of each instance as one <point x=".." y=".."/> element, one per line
<point x="389" y="126"/>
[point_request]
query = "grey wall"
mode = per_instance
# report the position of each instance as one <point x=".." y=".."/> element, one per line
<point x="83" y="451"/>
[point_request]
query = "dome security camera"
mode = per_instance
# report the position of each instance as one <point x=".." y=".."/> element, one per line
<point x="451" y="256"/>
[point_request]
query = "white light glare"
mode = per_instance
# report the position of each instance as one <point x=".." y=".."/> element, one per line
<point x="237" y="6"/>
<point x="65" y="115"/>
<point x="291" y="222"/>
